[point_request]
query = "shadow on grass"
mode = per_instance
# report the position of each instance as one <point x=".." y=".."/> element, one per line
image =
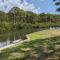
<point x="33" y="50"/>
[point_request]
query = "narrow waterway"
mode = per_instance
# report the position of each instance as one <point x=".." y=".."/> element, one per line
<point x="12" y="38"/>
<point x="9" y="38"/>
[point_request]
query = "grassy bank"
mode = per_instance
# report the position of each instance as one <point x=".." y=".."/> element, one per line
<point x="32" y="50"/>
<point x="36" y="49"/>
<point x="44" y="34"/>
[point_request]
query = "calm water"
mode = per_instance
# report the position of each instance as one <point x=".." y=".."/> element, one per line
<point x="9" y="38"/>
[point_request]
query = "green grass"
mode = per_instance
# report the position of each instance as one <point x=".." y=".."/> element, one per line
<point x="33" y="49"/>
<point x="28" y="50"/>
<point x="44" y="34"/>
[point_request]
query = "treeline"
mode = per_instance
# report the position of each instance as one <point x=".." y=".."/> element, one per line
<point x="18" y="15"/>
<point x="17" y="19"/>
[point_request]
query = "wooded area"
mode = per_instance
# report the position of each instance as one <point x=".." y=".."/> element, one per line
<point x="18" y="19"/>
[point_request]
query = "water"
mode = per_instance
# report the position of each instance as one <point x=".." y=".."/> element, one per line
<point x="9" y="38"/>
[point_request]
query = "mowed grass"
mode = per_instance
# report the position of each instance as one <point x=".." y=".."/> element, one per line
<point x="44" y="34"/>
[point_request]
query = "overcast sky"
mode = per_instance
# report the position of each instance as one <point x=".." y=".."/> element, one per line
<point x="37" y="6"/>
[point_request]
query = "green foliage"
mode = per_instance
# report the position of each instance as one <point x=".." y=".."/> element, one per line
<point x="58" y="9"/>
<point x="57" y="3"/>
<point x="40" y="49"/>
<point x="26" y="21"/>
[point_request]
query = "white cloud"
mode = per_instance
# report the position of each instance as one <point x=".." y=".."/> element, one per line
<point x="6" y="5"/>
<point x="28" y="7"/>
<point x="36" y="10"/>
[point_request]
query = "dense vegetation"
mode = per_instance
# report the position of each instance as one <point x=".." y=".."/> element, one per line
<point x="57" y="3"/>
<point x="26" y="21"/>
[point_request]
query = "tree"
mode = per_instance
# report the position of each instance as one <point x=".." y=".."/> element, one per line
<point x="57" y="3"/>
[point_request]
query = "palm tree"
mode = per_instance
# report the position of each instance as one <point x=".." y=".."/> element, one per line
<point x="57" y="3"/>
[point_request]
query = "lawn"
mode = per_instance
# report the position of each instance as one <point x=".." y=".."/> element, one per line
<point x="44" y="34"/>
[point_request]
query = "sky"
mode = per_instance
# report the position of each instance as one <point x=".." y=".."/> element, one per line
<point x="36" y="6"/>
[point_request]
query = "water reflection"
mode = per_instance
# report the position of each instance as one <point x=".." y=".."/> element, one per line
<point x="2" y="44"/>
<point x="11" y="37"/>
<point x="8" y="39"/>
